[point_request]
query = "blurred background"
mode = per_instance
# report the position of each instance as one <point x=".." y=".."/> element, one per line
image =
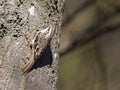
<point x="90" y="46"/>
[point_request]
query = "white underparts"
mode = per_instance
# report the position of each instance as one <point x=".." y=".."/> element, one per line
<point x="31" y="10"/>
<point x="44" y="30"/>
<point x="48" y="30"/>
<point x="41" y="31"/>
<point x="49" y="33"/>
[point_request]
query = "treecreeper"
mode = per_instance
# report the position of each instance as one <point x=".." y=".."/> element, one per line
<point x="29" y="31"/>
<point x="45" y="33"/>
<point x="38" y="44"/>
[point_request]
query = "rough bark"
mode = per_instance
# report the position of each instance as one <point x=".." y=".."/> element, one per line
<point x="17" y="21"/>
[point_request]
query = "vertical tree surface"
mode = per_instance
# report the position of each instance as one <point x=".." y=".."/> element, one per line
<point x="19" y="21"/>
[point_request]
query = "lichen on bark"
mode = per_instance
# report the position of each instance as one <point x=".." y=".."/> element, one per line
<point x="19" y="18"/>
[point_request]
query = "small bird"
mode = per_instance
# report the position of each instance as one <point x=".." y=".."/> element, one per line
<point x="38" y="44"/>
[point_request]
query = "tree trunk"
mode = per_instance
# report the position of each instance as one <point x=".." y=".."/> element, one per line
<point x="19" y="21"/>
